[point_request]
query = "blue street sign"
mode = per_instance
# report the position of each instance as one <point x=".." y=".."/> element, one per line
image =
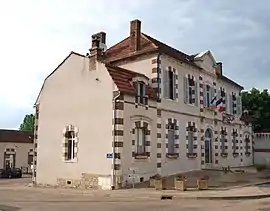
<point x="110" y="155"/>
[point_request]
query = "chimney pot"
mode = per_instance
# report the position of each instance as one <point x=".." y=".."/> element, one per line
<point x="135" y="35"/>
<point x="219" y="69"/>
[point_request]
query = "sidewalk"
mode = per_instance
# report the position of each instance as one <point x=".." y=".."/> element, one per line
<point x="216" y="194"/>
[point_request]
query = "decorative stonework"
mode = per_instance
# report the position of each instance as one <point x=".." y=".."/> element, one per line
<point x="235" y="143"/>
<point x="174" y="122"/>
<point x="70" y="128"/>
<point x="156" y="78"/>
<point x="35" y="145"/>
<point x="147" y="129"/>
<point x="118" y="131"/>
<point x="224" y="142"/>
<point x="159" y="141"/>
<point x="201" y="94"/>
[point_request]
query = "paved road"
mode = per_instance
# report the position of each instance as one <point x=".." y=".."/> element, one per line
<point x="183" y="205"/>
<point x="16" y="197"/>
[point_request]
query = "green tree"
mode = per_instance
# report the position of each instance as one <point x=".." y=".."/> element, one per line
<point x="258" y="104"/>
<point x="28" y="123"/>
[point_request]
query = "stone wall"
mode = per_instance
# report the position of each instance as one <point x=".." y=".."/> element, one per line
<point x="87" y="181"/>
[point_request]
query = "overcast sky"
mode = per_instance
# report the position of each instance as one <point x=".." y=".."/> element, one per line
<point x="36" y="35"/>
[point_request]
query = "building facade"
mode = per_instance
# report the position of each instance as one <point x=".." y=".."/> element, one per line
<point x="161" y="103"/>
<point x="17" y="149"/>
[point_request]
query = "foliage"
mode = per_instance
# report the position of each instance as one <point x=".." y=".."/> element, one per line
<point x="156" y="176"/>
<point x="260" y="167"/>
<point x="180" y="177"/>
<point x="28" y="123"/>
<point x="258" y="105"/>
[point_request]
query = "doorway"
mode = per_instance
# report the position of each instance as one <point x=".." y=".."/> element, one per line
<point x="208" y="137"/>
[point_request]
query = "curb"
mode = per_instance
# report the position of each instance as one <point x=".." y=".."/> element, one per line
<point x="245" y="197"/>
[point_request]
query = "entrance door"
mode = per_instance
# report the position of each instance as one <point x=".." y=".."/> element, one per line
<point x="208" y="147"/>
<point x="9" y="161"/>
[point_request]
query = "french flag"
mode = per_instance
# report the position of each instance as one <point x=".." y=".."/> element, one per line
<point x="218" y="104"/>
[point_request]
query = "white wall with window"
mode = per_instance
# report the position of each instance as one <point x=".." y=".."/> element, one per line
<point x="70" y="143"/>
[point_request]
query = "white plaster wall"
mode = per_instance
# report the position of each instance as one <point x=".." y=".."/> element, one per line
<point x="75" y="95"/>
<point x="262" y="143"/>
<point x="145" y="167"/>
<point x="21" y="150"/>
<point x="141" y="64"/>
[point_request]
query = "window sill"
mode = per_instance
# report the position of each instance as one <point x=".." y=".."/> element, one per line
<point x="208" y="109"/>
<point x="192" y="155"/>
<point x="247" y="154"/>
<point x="172" y="155"/>
<point x="75" y="160"/>
<point x="141" y="156"/>
<point x="235" y="154"/>
<point x="224" y="154"/>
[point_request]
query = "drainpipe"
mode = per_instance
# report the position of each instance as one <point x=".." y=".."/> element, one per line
<point x="158" y="76"/>
<point x="114" y="128"/>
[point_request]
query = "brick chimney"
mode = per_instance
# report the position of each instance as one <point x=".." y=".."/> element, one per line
<point x="97" y="49"/>
<point x="135" y="35"/>
<point x="219" y="69"/>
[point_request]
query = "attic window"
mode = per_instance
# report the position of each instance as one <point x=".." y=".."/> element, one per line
<point x="141" y="97"/>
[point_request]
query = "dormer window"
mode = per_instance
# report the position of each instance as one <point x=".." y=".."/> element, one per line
<point x="140" y="92"/>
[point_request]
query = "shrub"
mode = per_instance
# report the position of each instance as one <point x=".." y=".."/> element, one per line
<point x="180" y="177"/>
<point x="156" y="176"/>
<point x="260" y="167"/>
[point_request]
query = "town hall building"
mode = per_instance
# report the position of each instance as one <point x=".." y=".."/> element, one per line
<point x="139" y="105"/>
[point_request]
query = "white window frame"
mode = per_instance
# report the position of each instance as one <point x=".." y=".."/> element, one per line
<point x="140" y="143"/>
<point x="71" y="139"/>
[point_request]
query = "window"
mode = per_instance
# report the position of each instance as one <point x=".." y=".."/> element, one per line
<point x="141" y="93"/>
<point x="208" y="95"/>
<point x="170" y="84"/>
<point x="247" y="145"/>
<point x="140" y="135"/>
<point x="30" y="158"/>
<point x="70" y="145"/>
<point x="190" y="91"/>
<point x="171" y="138"/>
<point x="223" y="140"/>
<point x="234" y="141"/>
<point x="190" y="137"/>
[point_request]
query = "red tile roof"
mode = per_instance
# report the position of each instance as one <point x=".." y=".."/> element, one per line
<point x="148" y="45"/>
<point x="123" y="80"/>
<point x="15" y="136"/>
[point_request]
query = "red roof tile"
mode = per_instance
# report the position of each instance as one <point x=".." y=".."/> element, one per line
<point x="123" y="80"/>
<point x="150" y="44"/>
<point x="16" y="136"/>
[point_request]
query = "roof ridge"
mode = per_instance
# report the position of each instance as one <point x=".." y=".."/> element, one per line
<point x="162" y="43"/>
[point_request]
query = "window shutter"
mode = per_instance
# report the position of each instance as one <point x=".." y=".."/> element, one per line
<point x="174" y="85"/>
<point x="212" y="95"/>
<point x="166" y="84"/>
<point x="190" y="142"/>
<point x="239" y="105"/>
<point x="230" y="102"/>
<point x="185" y="89"/>
<point x="204" y="96"/>
<point x="196" y="93"/>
